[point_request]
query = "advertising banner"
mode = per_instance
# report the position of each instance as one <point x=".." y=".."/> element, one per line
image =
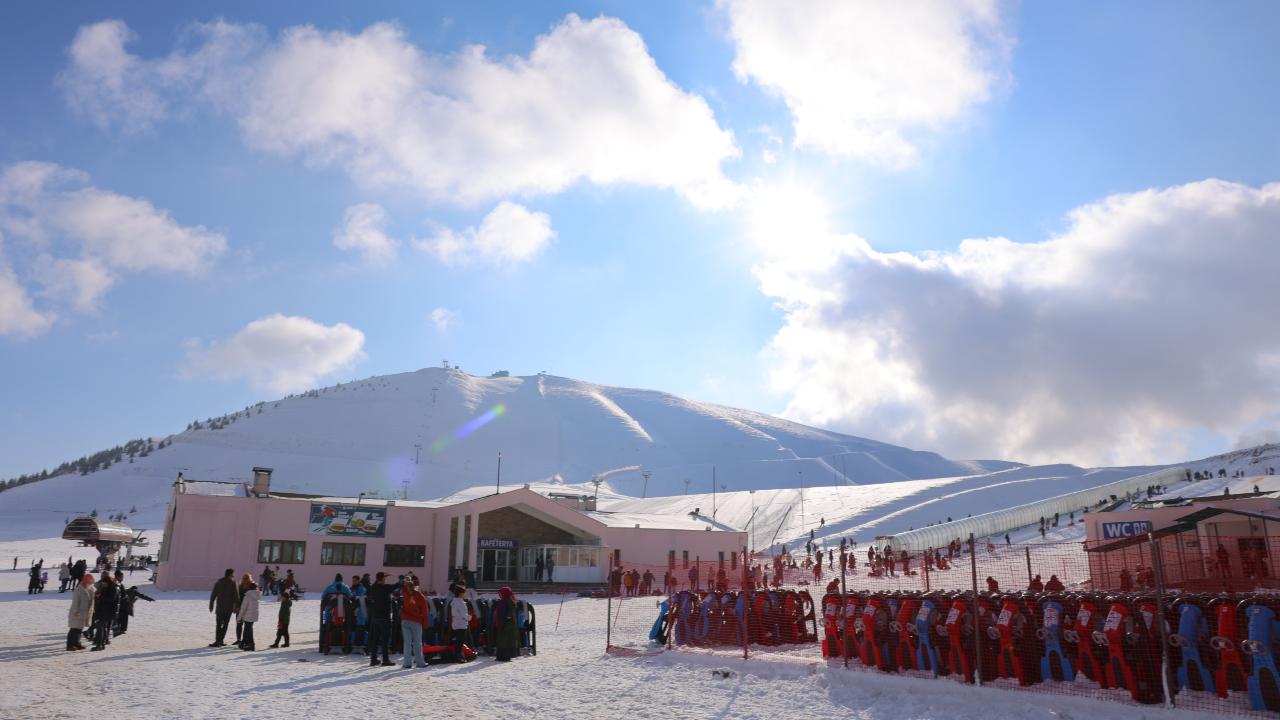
<point x="348" y="520"/>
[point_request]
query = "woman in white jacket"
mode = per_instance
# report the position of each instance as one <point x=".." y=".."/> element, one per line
<point x="248" y="614"/>
<point x="80" y="616"/>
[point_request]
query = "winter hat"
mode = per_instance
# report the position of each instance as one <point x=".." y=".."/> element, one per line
<point x="505" y="593"/>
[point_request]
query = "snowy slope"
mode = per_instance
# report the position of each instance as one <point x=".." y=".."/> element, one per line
<point x="364" y="436"/>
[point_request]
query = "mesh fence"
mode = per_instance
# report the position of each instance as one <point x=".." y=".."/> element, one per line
<point x="1177" y="620"/>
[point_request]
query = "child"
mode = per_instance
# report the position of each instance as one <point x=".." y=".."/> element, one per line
<point x="282" y="621"/>
<point x="459" y="621"/>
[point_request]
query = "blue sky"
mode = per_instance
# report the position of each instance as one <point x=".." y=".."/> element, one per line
<point x="754" y="297"/>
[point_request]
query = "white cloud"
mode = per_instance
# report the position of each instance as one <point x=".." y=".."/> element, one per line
<point x="864" y="78"/>
<point x="1147" y="320"/>
<point x="114" y="88"/>
<point x="509" y="234"/>
<point x="363" y="230"/>
<point x="278" y="353"/>
<point x="18" y="317"/>
<point x="587" y="104"/>
<point x="444" y="319"/>
<point x="79" y="282"/>
<point x="76" y="239"/>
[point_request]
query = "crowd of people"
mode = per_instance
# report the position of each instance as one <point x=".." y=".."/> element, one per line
<point x="380" y="615"/>
<point x="100" y="610"/>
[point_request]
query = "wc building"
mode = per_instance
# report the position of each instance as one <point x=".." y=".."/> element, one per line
<point x="212" y="526"/>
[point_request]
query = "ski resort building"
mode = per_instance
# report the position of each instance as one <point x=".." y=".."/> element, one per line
<point x="212" y="526"/>
<point x="1212" y="543"/>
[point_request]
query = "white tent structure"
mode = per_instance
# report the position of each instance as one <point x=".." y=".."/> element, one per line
<point x="1002" y="521"/>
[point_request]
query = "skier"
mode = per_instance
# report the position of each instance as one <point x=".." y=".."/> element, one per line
<point x="1007" y="542"/>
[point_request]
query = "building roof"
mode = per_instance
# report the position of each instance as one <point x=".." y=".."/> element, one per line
<point x="89" y="529"/>
<point x="657" y="521"/>
<point x="1209" y="512"/>
<point x="213" y="488"/>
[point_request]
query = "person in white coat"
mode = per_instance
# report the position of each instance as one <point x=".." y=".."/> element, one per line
<point x="459" y="621"/>
<point x="248" y="614"/>
<point x="80" y="616"/>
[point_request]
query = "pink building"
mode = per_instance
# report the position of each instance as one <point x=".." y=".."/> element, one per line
<point x="1208" y="543"/>
<point x="212" y="526"/>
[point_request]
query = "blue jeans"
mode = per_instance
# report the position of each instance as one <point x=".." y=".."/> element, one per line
<point x="412" y="643"/>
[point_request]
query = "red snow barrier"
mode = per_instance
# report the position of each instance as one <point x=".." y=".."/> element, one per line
<point x="1154" y="621"/>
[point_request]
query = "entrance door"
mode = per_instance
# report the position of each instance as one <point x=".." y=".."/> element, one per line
<point x="495" y="565"/>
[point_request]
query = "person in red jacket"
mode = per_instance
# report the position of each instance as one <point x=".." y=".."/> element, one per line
<point x="413" y="617"/>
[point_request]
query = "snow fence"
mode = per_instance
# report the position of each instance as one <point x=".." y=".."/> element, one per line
<point x="1002" y="521"/>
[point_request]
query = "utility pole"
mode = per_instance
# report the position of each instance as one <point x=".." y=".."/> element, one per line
<point x="751" y="523"/>
<point x="417" y="452"/>
<point x="498" y="488"/>
<point x="433" y="395"/>
<point x="686" y="486"/>
<point x="595" y="480"/>
<point x="713" y="492"/>
<point x="801" y="473"/>
<point x="645" y="491"/>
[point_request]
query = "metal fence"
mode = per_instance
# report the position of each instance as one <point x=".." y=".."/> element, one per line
<point x="1174" y="620"/>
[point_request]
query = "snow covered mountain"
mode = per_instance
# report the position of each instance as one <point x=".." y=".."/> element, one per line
<point x="437" y="431"/>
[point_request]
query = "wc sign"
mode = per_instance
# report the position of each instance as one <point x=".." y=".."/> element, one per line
<point x="1136" y="528"/>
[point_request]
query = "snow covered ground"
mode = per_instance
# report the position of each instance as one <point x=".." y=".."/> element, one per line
<point x="162" y="669"/>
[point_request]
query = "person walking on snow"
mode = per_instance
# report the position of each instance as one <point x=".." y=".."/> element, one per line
<point x="282" y="619"/>
<point x="248" y="614"/>
<point x="224" y="600"/>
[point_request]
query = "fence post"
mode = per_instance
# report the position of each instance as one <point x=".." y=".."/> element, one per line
<point x="746" y="604"/>
<point x="844" y="621"/>
<point x="608" y="625"/>
<point x="1027" y="548"/>
<point x="924" y="570"/>
<point x="973" y="607"/>
<point x="1157" y="563"/>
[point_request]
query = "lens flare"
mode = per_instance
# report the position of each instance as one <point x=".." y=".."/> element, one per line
<point x="472" y="425"/>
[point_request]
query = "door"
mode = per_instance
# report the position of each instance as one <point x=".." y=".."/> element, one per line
<point x="487" y="560"/>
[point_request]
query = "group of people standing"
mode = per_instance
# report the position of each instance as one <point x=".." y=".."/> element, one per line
<point x="379" y="613"/>
<point x="103" y="608"/>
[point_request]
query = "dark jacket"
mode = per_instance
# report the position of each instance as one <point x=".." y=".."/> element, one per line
<point x="106" y="602"/>
<point x="129" y="597"/>
<point x="225" y="596"/>
<point x="378" y="601"/>
<point x="286" y="609"/>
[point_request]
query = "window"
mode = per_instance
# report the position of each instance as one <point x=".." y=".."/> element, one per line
<point x="617" y="557"/>
<point x="671" y="559"/>
<point x="685" y="558"/>
<point x="721" y="559"/>
<point x="342" y="554"/>
<point x="404" y="555"/>
<point x="285" y="552"/>
<point x="733" y="560"/>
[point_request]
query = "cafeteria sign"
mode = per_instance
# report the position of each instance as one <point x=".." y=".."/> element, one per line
<point x="348" y="520"/>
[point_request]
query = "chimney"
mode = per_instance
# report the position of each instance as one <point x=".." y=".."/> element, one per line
<point x="261" y="481"/>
